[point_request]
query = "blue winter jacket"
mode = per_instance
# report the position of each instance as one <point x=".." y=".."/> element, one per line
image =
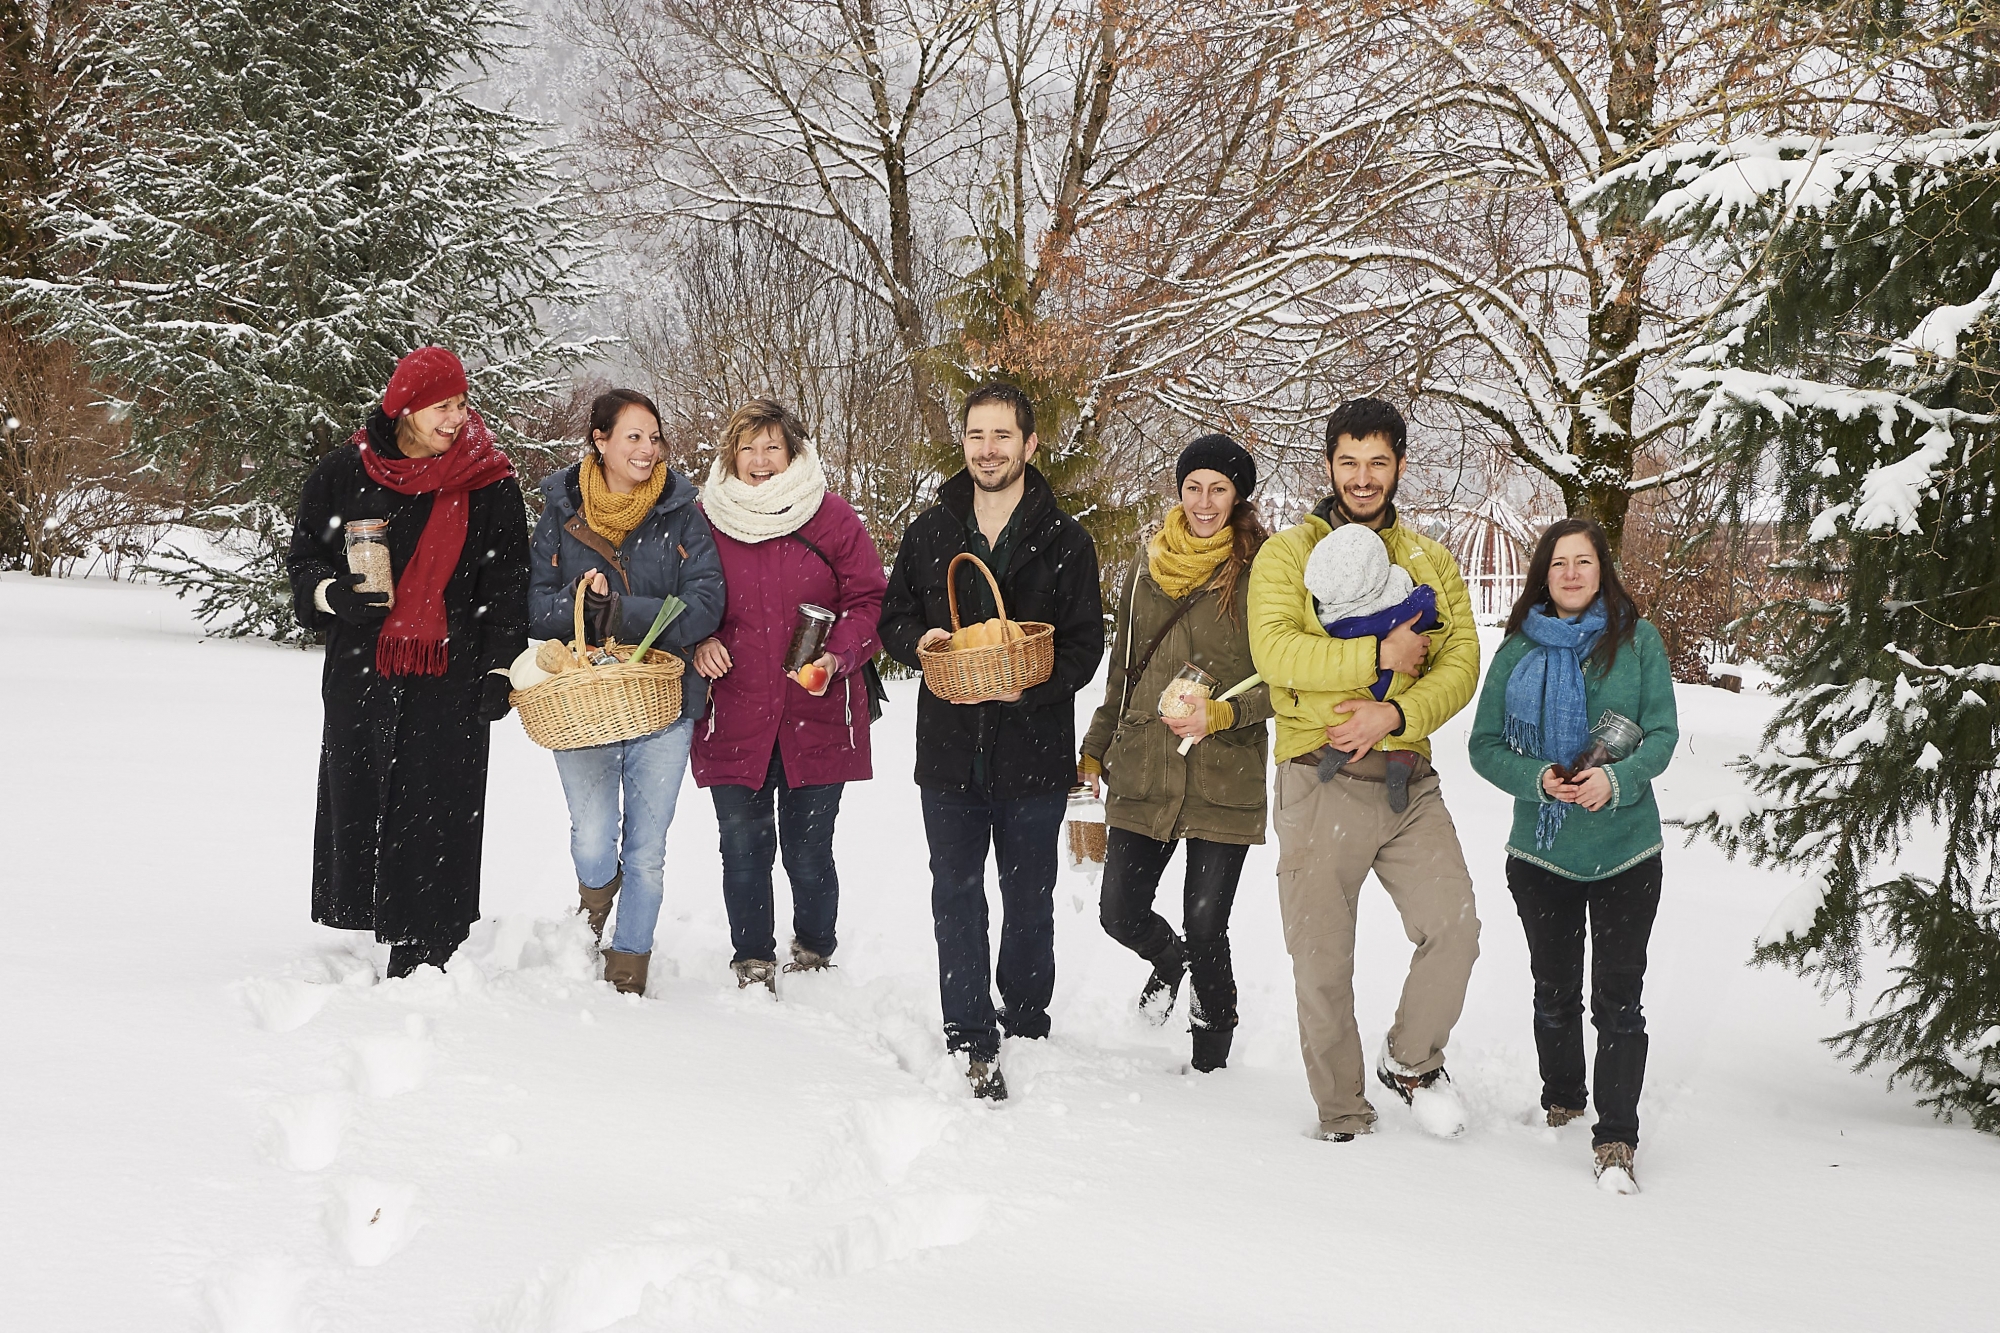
<point x="671" y="551"/>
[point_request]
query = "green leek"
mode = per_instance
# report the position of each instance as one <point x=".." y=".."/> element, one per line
<point x="670" y="606"/>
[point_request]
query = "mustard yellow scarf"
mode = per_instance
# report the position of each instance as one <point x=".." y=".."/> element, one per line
<point x="613" y="516"/>
<point x="1179" y="561"/>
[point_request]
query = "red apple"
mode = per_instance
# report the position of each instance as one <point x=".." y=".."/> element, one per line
<point x="812" y="676"/>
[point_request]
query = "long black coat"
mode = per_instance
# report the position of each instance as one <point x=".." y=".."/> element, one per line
<point x="402" y="768"/>
<point x="1051" y="576"/>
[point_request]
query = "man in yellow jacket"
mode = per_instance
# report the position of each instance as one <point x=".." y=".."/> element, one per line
<point x="1377" y="809"/>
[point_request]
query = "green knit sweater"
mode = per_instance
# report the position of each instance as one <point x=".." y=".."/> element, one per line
<point x="1600" y="844"/>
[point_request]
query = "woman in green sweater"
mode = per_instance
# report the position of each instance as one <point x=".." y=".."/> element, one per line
<point x="1585" y="849"/>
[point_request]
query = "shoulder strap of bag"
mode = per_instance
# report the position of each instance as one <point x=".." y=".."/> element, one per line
<point x="1135" y="672"/>
<point x="871" y="678"/>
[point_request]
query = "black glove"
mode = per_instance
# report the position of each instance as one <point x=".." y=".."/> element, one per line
<point x="493" y="703"/>
<point x="353" y="605"/>
<point x="601" y="615"/>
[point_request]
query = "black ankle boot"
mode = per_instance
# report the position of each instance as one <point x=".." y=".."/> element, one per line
<point x="407" y="958"/>
<point x="1156" y="1001"/>
<point x="1211" y="1049"/>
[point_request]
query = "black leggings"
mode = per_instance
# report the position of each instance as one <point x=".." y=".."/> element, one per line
<point x="1617" y="914"/>
<point x="1133" y="864"/>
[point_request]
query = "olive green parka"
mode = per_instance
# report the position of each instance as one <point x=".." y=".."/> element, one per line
<point x="1217" y="790"/>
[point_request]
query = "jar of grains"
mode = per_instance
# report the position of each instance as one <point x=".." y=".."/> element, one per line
<point x="1187" y="691"/>
<point x="368" y="555"/>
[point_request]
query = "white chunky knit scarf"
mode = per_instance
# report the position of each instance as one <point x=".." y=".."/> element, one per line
<point x="779" y="507"/>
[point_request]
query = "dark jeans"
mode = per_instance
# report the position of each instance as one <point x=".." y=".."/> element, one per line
<point x="1133" y="864"/>
<point x="751" y="838"/>
<point x="1620" y="911"/>
<point x="961" y="825"/>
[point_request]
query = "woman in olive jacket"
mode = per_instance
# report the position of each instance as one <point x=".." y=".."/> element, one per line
<point x="1184" y="604"/>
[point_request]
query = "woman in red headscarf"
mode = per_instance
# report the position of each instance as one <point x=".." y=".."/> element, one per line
<point x="411" y="681"/>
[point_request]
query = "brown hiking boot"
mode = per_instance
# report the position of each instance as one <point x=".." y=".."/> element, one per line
<point x="596" y="903"/>
<point x="1562" y="1115"/>
<point x="627" y="971"/>
<point x="806" y="960"/>
<point x="1614" y="1169"/>
<point x="756" y="972"/>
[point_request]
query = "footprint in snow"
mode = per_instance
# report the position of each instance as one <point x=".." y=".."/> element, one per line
<point x="369" y="1220"/>
<point x="262" y="1296"/>
<point x="898" y="1229"/>
<point x="394" y="1063"/>
<point x="280" y="1006"/>
<point x="307" y="1129"/>
<point x="893" y="1133"/>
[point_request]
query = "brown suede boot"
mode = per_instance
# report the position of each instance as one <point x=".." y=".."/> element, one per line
<point x="596" y="903"/>
<point x="626" y="971"/>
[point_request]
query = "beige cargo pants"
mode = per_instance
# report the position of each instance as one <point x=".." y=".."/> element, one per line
<point x="1330" y="835"/>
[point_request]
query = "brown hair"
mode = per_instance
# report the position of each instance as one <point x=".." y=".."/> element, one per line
<point x="1250" y="536"/>
<point x="1007" y="395"/>
<point x="751" y="420"/>
<point x="1621" y="613"/>
<point x="604" y="413"/>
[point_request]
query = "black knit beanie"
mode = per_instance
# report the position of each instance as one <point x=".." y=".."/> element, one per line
<point x="1219" y="453"/>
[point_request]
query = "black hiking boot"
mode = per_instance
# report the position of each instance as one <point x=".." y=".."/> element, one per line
<point x="987" y="1084"/>
<point x="1211" y="1049"/>
<point x="1156" y="1001"/>
<point x="407" y="958"/>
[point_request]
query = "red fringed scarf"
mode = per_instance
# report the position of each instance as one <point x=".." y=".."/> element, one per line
<point x="412" y="642"/>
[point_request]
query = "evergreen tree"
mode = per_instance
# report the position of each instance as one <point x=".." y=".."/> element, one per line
<point x="1862" y="369"/>
<point x="279" y="200"/>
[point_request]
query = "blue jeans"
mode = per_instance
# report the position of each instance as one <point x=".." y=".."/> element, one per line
<point x="602" y="837"/>
<point x="961" y="825"/>
<point x="751" y="838"/>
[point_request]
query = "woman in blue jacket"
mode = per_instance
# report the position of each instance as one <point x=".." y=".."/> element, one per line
<point x="629" y="522"/>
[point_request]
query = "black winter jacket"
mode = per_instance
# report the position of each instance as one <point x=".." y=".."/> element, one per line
<point x="1029" y="746"/>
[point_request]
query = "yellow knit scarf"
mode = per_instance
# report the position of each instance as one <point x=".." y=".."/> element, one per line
<point x="1179" y="561"/>
<point x="613" y="516"/>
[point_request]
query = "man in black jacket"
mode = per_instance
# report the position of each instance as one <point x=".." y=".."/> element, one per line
<point x="996" y="771"/>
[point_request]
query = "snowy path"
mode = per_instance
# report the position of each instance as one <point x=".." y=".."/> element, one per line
<point x="213" y="1118"/>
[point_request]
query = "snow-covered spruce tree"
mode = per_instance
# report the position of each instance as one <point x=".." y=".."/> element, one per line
<point x="279" y="200"/>
<point x="1863" y="368"/>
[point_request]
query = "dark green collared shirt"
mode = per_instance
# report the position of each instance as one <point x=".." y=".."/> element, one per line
<point x="975" y="599"/>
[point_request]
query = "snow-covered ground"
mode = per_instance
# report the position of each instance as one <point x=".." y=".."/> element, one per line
<point x="212" y="1116"/>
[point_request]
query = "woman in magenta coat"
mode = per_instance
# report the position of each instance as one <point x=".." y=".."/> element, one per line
<point x="775" y="750"/>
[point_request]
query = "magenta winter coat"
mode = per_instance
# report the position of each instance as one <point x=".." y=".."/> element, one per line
<point x="756" y="705"/>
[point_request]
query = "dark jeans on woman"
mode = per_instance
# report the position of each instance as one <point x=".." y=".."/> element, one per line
<point x="751" y="838"/>
<point x="961" y="825"/>
<point x="1133" y="864"/>
<point x="1620" y="913"/>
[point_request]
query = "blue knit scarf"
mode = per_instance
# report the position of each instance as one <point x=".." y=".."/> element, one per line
<point x="1547" y="716"/>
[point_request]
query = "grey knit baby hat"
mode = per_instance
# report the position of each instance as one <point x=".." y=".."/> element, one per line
<point x="1350" y="574"/>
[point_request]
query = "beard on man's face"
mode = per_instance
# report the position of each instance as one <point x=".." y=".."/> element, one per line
<point x="1348" y="512"/>
<point x="1006" y="477"/>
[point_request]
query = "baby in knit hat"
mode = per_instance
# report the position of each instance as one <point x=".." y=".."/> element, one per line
<point x="1360" y="593"/>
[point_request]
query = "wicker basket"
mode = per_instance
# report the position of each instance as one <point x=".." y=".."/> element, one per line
<point x="1001" y="668"/>
<point x="601" y="705"/>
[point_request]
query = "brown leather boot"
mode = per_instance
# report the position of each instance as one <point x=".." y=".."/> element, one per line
<point x="596" y="903"/>
<point x="626" y="971"/>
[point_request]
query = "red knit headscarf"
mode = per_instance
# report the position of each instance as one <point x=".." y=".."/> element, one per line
<point x="413" y="639"/>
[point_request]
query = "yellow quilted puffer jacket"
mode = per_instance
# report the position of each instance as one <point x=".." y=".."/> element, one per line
<point x="1309" y="671"/>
